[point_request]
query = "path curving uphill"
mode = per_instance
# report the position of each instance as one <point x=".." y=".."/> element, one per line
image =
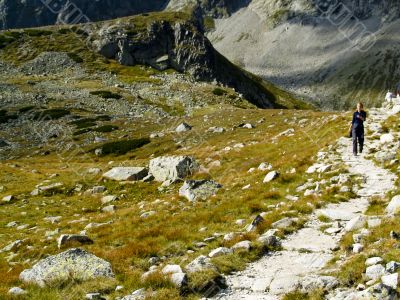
<point x="306" y="252"/>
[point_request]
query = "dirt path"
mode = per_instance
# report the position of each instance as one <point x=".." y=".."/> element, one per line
<point x="308" y="250"/>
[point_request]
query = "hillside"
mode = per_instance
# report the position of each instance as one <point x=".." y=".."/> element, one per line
<point x="294" y="45"/>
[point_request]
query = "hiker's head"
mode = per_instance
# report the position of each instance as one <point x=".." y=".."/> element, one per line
<point x="360" y="106"/>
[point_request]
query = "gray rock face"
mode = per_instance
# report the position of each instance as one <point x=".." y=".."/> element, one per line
<point x="126" y="173"/>
<point x="172" y="167"/>
<point x="181" y="46"/>
<point x="72" y="264"/>
<point x="195" y="190"/>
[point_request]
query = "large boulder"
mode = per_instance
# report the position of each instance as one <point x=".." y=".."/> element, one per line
<point x="126" y="173"/>
<point x="172" y="168"/>
<point x="73" y="264"/>
<point x="195" y="190"/>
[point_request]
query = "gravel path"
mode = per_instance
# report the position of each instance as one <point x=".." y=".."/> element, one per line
<point x="307" y="251"/>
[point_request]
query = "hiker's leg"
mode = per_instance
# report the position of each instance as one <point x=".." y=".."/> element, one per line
<point x="354" y="136"/>
<point x="361" y="140"/>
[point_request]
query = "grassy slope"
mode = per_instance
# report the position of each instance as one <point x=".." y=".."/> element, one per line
<point x="71" y="39"/>
<point x="130" y="240"/>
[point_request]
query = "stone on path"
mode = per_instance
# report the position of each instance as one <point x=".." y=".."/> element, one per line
<point x="73" y="264"/>
<point x="356" y="223"/>
<point x="394" y="205"/>
<point x="126" y="173"/>
<point x="391" y="280"/>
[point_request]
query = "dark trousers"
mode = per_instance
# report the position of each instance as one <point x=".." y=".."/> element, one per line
<point x="358" y="137"/>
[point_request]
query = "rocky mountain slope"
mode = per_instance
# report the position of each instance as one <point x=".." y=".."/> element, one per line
<point x="298" y="45"/>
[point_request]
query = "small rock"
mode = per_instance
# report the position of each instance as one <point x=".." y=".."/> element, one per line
<point x="271" y="176"/>
<point x="392" y="266"/>
<point x="373" y="261"/>
<point x="183" y="127"/>
<point x="356" y="223"/>
<point x="16" y="291"/>
<point x="195" y="190"/>
<point x="109" y="208"/>
<point x="8" y="198"/>
<point x="357" y="248"/>
<point x="126" y="173"/>
<point x="394" y="205"/>
<point x="374" y="272"/>
<point x="199" y="264"/>
<point x="283" y="223"/>
<point x="109" y="198"/>
<point x="66" y="239"/>
<point x="170" y="269"/>
<point x="220" y="252"/>
<point x="391" y="280"/>
<point x="242" y="246"/>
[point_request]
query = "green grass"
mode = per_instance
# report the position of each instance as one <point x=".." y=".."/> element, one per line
<point x="106" y="94"/>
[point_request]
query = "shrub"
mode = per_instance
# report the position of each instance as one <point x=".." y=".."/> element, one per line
<point x="106" y="128"/>
<point x="26" y="109"/>
<point x="219" y="92"/>
<point x="37" y="32"/>
<point x="84" y="123"/>
<point x="106" y="94"/>
<point x="75" y="57"/>
<point x="82" y="131"/>
<point x="52" y="114"/>
<point x="123" y="147"/>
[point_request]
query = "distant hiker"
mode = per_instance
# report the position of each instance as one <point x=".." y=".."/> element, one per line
<point x="389" y="96"/>
<point x="357" y="128"/>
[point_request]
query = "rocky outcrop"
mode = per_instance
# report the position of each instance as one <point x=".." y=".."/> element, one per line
<point x="181" y="46"/>
<point x="75" y="264"/>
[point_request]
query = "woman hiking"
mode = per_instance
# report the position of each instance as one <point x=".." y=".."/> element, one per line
<point x="357" y="128"/>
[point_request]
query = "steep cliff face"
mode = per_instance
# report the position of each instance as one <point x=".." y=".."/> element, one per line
<point x="178" y="45"/>
<point x="34" y="13"/>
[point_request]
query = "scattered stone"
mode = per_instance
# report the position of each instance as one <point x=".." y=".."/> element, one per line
<point x="283" y="223"/>
<point x="374" y="272"/>
<point x="269" y="241"/>
<point x="374" y="222"/>
<point x="94" y="296"/>
<point x="216" y="129"/>
<point x="95" y="225"/>
<point x="271" y="176"/>
<point x="201" y="263"/>
<point x="14" y="246"/>
<point x="147" y="214"/>
<point x="315" y="282"/>
<point x="356" y="223"/>
<point x="170" y="269"/>
<point x="183" y="127"/>
<point x="220" y="252"/>
<point x="47" y="189"/>
<point x="391" y="280"/>
<point x="242" y="246"/>
<point x="373" y="261"/>
<point x="264" y="167"/>
<point x="256" y="222"/>
<point x="240" y="222"/>
<point x="386" y="138"/>
<point x="195" y="190"/>
<point x="179" y="279"/>
<point x="94" y="171"/>
<point x="98" y="189"/>
<point x="73" y="264"/>
<point x="172" y="167"/>
<point x="109" y="208"/>
<point x="8" y="198"/>
<point x="247" y="126"/>
<point x="53" y="220"/>
<point x="66" y="239"/>
<point x="109" y="198"/>
<point x="393" y="206"/>
<point x="126" y="173"/>
<point x="16" y="291"/>
<point x="358" y="248"/>
<point x="136" y="295"/>
<point x="392" y="266"/>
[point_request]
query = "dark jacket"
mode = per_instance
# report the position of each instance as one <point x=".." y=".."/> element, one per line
<point x="357" y="122"/>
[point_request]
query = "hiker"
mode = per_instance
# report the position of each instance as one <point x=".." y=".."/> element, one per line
<point x="389" y="96"/>
<point x="357" y="128"/>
